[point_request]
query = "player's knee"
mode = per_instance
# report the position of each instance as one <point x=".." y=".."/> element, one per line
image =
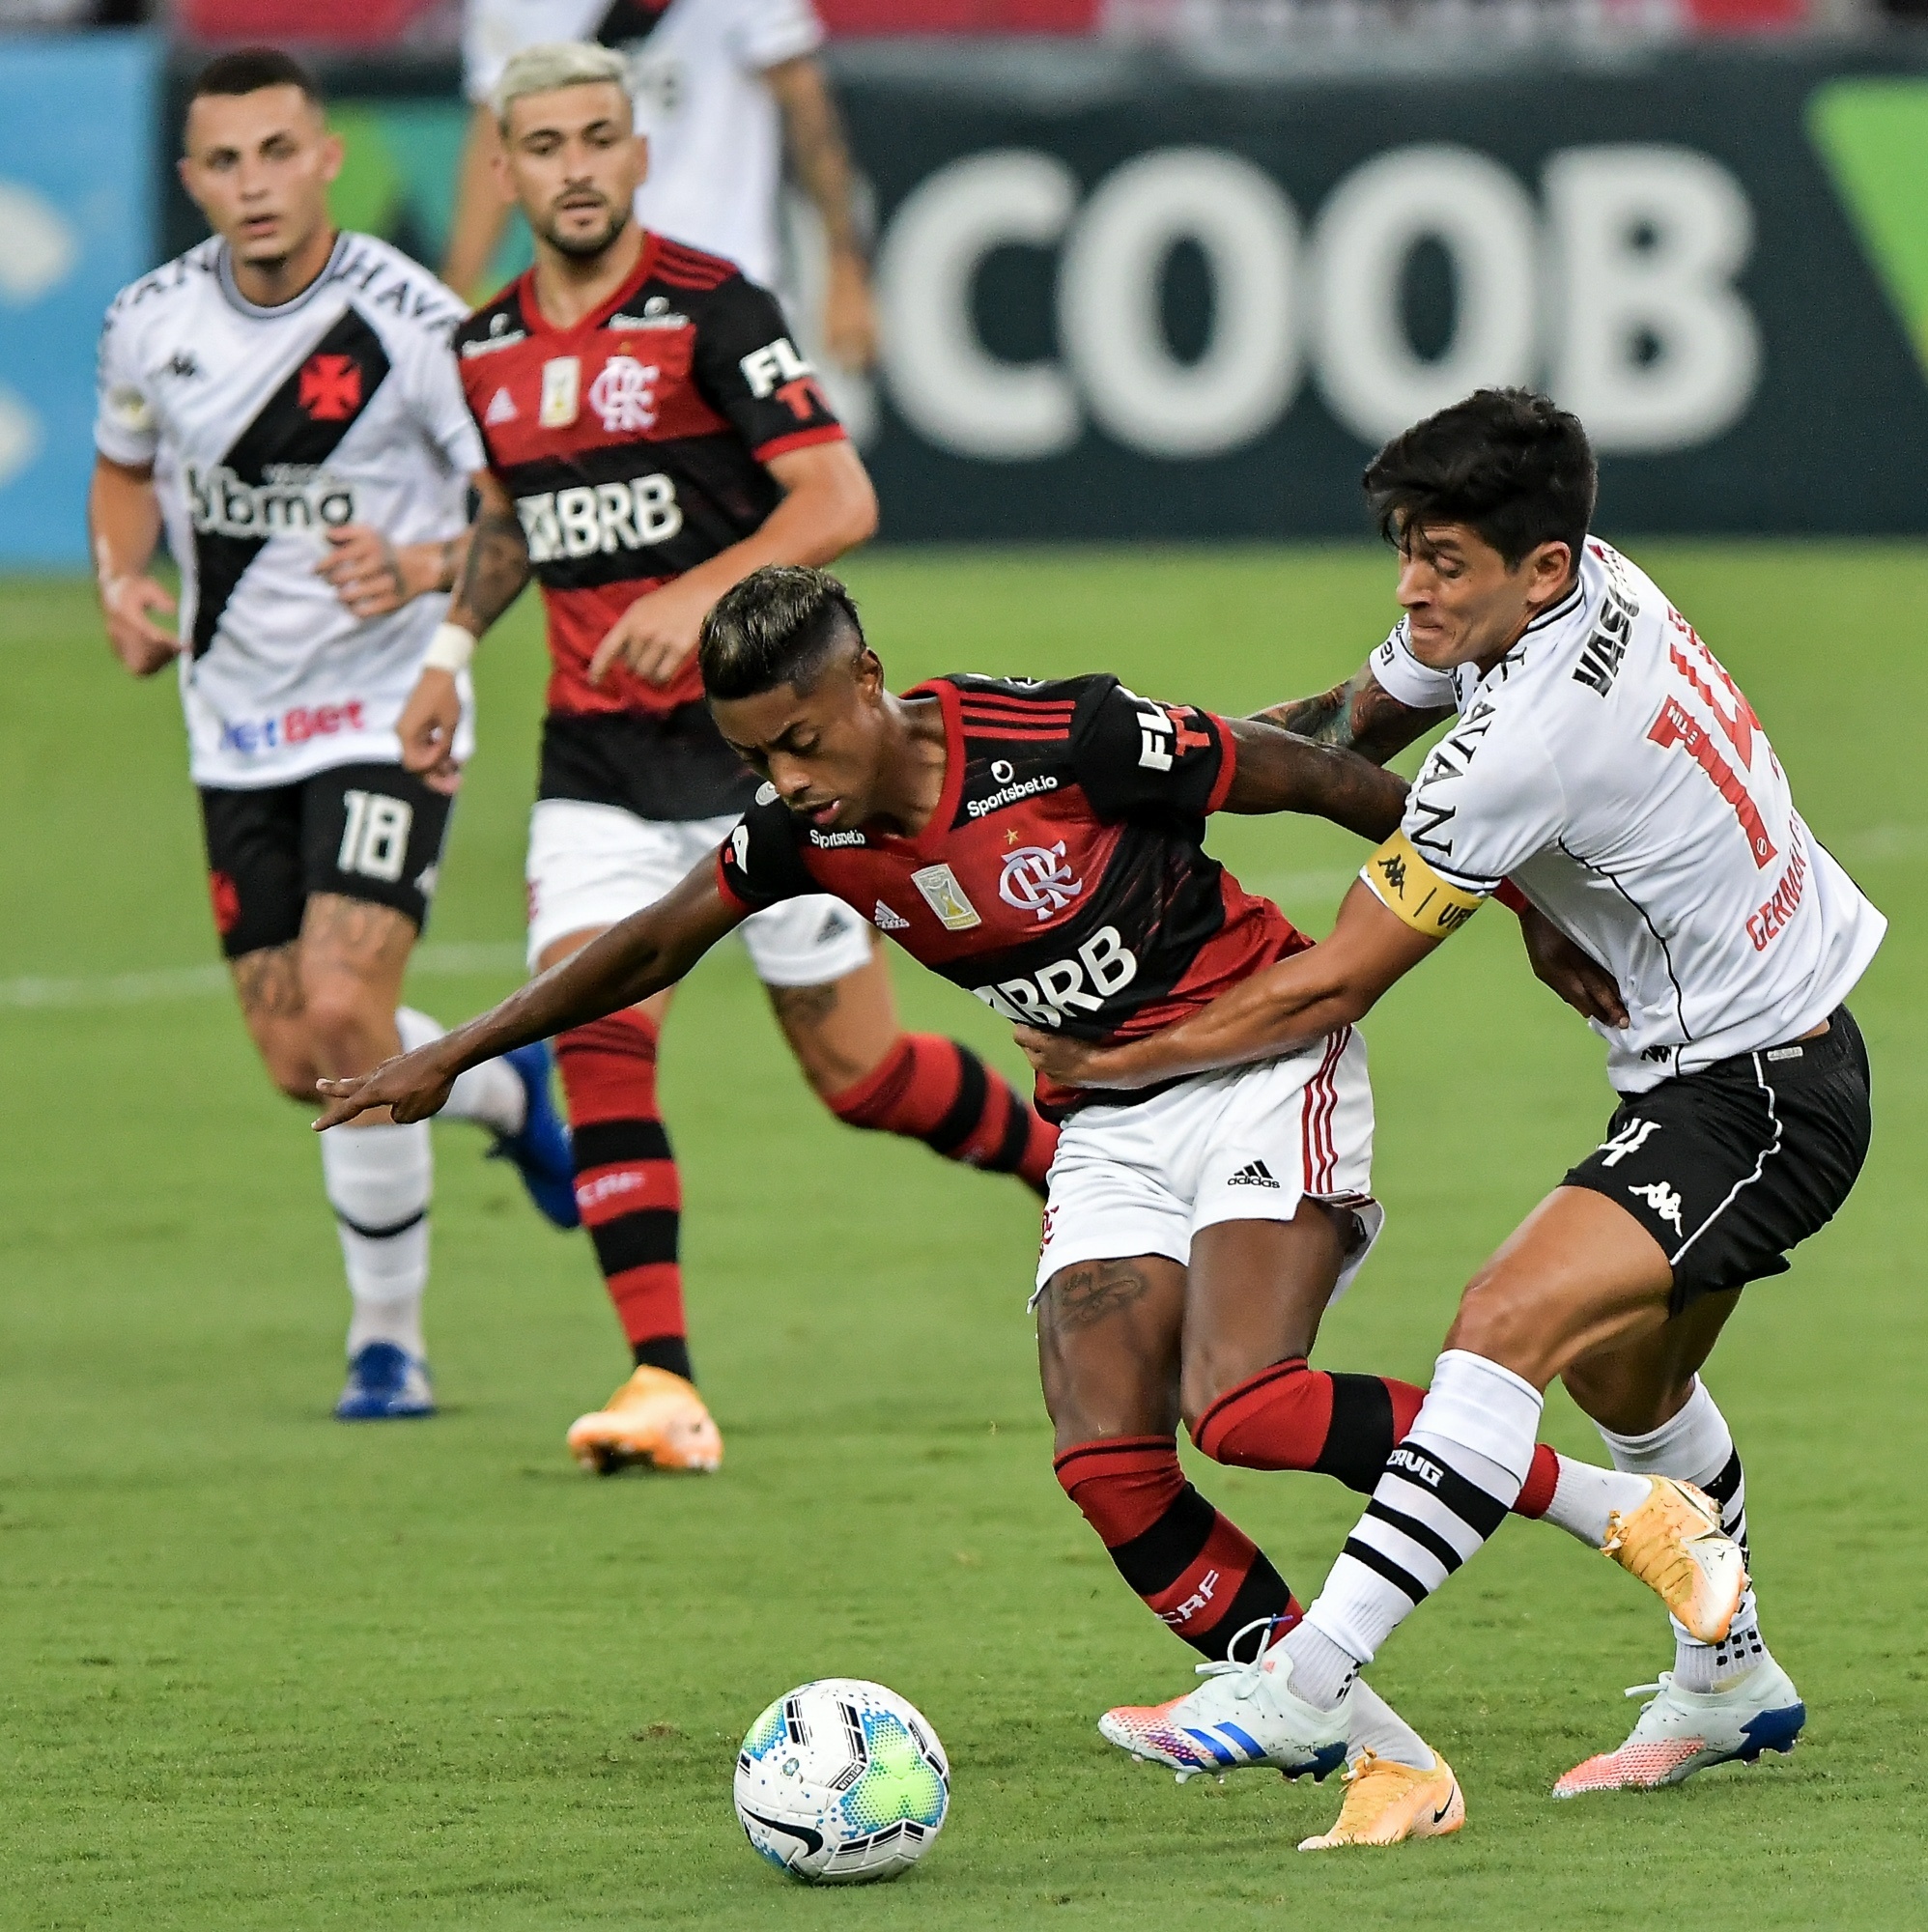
<point x="293" y="1073"/>
<point x="347" y="1030"/>
<point x="1207" y="1376"/>
<point x="1501" y="1318"/>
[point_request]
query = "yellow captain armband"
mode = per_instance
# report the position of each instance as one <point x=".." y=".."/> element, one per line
<point x="1405" y="885"/>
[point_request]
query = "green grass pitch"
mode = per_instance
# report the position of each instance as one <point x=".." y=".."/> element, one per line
<point x="259" y="1669"/>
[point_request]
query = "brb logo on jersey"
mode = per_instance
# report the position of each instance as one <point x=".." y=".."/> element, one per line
<point x="330" y="389"/>
<point x="624" y="396"/>
<point x="1037" y="879"/>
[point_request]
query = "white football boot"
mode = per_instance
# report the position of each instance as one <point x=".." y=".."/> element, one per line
<point x="1680" y="1732"/>
<point x="1243" y="1713"/>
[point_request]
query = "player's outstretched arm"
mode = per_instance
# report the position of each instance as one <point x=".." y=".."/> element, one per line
<point x="1280" y="771"/>
<point x="1290" y="1004"/>
<point x="1360" y="715"/>
<point x="493" y="570"/>
<point x="123" y="521"/>
<point x="649" y="950"/>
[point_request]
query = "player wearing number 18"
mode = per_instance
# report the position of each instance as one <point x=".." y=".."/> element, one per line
<point x="1605" y="762"/>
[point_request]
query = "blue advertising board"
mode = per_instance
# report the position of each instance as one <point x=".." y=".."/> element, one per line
<point x="77" y="222"/>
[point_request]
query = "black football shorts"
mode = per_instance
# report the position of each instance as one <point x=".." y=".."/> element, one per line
<point x="1731" y="1167"/>
<point x="366" y="832"/>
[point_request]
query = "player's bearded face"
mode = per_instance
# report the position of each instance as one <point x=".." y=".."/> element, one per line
<point x="575" y="166"/>
<point x="1463" y="604"/>
<point x="258" y="166"/>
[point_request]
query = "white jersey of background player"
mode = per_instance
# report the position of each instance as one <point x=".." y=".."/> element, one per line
<point x="1616" y="760"/>
<point x="285" y="402"/>
<point x="265" y="429"/>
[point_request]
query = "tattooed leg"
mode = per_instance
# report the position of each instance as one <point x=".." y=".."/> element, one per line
<point x="1108" y="1346"/>
<point x="352" y="954"/>
<point x="268" y="984"/>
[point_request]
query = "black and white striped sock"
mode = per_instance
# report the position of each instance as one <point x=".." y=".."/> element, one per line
<point x="1445" y="1489"/>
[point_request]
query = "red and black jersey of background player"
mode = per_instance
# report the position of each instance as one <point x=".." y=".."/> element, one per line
<point x="1062" y="877"/>
<point x="634" y="445"/>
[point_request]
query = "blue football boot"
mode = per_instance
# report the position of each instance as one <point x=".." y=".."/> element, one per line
<point x="384" y="1384"/>
<point x="541" y="1152"/>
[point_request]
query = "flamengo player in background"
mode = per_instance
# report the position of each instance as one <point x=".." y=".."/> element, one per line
<point x="711" y="79"/>
<point x="282" y="398"/>
<point x="1041" y="846"/>
<point x="1606" y="763"/>
<point x="653" y="437"/>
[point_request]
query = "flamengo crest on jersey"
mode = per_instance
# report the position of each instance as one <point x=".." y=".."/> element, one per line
<point x="1061" y="878"/>
<point x="1612" y="769"/>
<point x="265" y="429"/>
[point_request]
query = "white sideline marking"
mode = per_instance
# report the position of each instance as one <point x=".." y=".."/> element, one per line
<point x="196" y="982"/>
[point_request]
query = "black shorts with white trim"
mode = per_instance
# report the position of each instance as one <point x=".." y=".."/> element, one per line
<point x="1730" y="1167"/>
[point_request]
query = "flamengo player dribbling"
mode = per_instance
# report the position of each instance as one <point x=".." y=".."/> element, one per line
<point x="281" y="398"/>
<point x="1041" y="845"/>
<point x="652" y="437"/>
<point x="1606" y="763"/>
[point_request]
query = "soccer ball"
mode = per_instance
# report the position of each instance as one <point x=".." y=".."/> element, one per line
<point x="840" y="1782"/>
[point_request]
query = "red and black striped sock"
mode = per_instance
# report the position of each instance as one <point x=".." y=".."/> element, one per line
<point x="1196" y="1569"/>
<point x="1293" y="1417"/>
<point x="626" y="1183"/>
<point x="930" y="1089"/>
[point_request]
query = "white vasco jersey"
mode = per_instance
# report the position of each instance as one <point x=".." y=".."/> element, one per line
<point x="265" y="427"/>
<point x="1612" y="769"/>
<point x="716" y="138"/>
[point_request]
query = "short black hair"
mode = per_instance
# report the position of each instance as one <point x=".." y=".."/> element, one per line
<point x="248" y="69"/>
<point x="774" y="628"/>
<point x="1509" y="462"/>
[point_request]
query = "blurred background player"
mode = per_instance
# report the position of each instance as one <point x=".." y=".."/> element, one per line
<point x="280" y="398"/>
<point x="653" y="437"/>
<point x="720" y="88"/>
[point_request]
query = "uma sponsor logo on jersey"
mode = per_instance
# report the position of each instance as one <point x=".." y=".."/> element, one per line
<point x="1035" y="879"/>
<point x="330" y="389"/>
<point x="605" y="516"/>
<point x="946" y="897"/>
<point x="1104" y="966"/>
<point x="251" y="737"/>
<point x="1010" y="788"/>
<point x="624" y="396"/>
<point x="292" y="497"/>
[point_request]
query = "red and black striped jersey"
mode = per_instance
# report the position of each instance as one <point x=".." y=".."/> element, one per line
<point x="634" y="444"/>
<point x="1062" y="878"/>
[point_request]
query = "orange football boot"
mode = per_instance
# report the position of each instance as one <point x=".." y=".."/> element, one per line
<point x="655" y="1417"/>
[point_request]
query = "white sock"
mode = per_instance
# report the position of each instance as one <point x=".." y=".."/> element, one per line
<point x="1586" y="1495"/>
<point x="490" y="1094"/>
<point x="1696" y="1447"/>
<point x="1445" y="1489"/>
<point x="1377" y="1727"/>
<point x="378" y="1181"/>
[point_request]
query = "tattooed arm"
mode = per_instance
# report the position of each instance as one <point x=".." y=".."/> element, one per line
<point x="1280" y="771"/>
<point x="1359" y="716"/>
<point x="493" y="570"/>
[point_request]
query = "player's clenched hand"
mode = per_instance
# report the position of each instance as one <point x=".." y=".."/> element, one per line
<point x="427" y="728"/>
<point x="137" y="640"/>
<point x="1580" y="980"/>
<point x="655" y="635"/>
<point x="1078" y="1063"/>
<point x="411" y="1086"/>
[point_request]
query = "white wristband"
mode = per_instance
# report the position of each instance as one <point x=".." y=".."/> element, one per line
<point x="450" y="649"/>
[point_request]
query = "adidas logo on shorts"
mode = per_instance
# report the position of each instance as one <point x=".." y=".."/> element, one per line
<point x="1254" y="1173"/>
<point x="887" y="921"/>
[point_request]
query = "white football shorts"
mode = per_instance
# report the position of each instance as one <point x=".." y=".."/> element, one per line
<point x="1246" y="1144"/>
<point x="593" y="864"/>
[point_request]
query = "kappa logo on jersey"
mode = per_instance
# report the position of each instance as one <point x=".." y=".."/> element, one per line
<point x="1630" y="1139"/>
<point x="1102" y="966"/>
<point x="293" y="498"/>
<point x="605" y="516"/>
<point x="1663" y="1200"/>
<point x="944" y="897"/>
<point x="624" y="396"/>
<point x="1035" y="879"/>
<point x="887" y="921"/>
<point x="330" y="389"/>
<point x="501" y="409"/>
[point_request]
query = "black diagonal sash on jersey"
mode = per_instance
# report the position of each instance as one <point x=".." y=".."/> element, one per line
<point x="290" y="428"/>
<point x="628" y="21"/>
